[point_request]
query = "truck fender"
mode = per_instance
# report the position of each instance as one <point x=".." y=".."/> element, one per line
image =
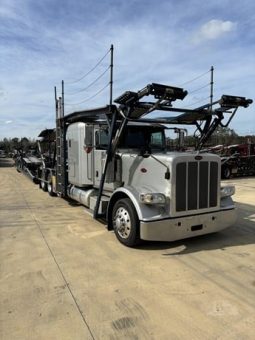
<point x="120" y="193"/>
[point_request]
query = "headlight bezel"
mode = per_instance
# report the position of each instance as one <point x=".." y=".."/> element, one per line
<point x="227" y="190"/>
<point x="151" y="198"/>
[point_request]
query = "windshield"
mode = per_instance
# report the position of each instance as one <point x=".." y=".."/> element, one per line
<point x="136" y="137"/>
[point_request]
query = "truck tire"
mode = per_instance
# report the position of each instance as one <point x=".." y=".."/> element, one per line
<point x="226" y="172"/>
<point x="44" y="186"/>
<point x="125" y="222"/>
<point x="50" y="189"/>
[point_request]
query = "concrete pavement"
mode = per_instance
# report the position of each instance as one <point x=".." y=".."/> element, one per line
<point x="64" y="276"/>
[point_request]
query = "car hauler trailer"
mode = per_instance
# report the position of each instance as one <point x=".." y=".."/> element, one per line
<point x="236" y="160"/>
<point x="28" y="163"/>
<point x="47" y="171"/>
<point x="114" y="161"/>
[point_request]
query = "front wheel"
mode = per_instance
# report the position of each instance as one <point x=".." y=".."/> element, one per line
<point x="125" y="222"/>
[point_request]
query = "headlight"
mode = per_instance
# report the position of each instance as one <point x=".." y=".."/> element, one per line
<point x="152" y="198"/>
<point x="227" y="191"/>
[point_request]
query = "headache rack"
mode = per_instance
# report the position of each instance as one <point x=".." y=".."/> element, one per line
<point x="130" y="107"/>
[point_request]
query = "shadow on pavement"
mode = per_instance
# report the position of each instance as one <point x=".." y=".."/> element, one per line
<point x="241" y="233"/>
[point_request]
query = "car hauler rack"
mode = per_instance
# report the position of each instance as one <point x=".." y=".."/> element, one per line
<point x="113" y="160"/>
<point x="28" y="163"/>
<point x="47" y="149"/>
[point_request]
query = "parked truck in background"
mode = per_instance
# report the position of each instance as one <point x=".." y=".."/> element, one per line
<point x="238" y="160"/>
<point x="114" y="161"/>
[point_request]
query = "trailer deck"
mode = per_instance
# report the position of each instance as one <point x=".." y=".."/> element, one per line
<point x="64" y="276"/>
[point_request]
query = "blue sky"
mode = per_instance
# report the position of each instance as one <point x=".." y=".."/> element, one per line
<point x="164" y="41"/>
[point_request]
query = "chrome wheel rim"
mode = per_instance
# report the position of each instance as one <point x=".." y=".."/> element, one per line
<point x="122" y="222"/>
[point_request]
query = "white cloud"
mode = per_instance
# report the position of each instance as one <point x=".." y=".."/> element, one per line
<point x="214" y="29"/>
<point x="36" y="55"/>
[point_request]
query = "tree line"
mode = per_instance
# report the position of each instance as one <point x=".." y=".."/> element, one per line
<point x="221" y="136"/>
<point x="9" y="145"/>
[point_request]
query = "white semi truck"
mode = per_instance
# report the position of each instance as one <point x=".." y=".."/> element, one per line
<point x="114" y="161"/>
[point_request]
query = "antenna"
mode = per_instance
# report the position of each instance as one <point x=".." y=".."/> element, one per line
<point x="111" y="74"/>
<point x="63" y="93"/>
<point x="211" y="89"/>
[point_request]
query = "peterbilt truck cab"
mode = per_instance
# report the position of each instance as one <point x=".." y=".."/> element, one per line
<point x="149" y="193"/>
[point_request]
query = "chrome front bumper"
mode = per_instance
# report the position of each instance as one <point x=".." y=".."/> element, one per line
<point x="185" y="227"/>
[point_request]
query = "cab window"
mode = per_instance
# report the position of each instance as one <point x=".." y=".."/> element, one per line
<point x="102" y="138"/>
<point x="157" y="141"/>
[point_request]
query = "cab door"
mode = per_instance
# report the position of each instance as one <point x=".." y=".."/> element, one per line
<point x="101" y="142"/>
<point x="100" y="153"/>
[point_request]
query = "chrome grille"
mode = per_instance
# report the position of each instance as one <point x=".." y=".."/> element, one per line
<point x="196" y="185"/>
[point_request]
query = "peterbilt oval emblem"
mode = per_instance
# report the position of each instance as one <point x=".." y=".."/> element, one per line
<point x="198" y="158"/>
